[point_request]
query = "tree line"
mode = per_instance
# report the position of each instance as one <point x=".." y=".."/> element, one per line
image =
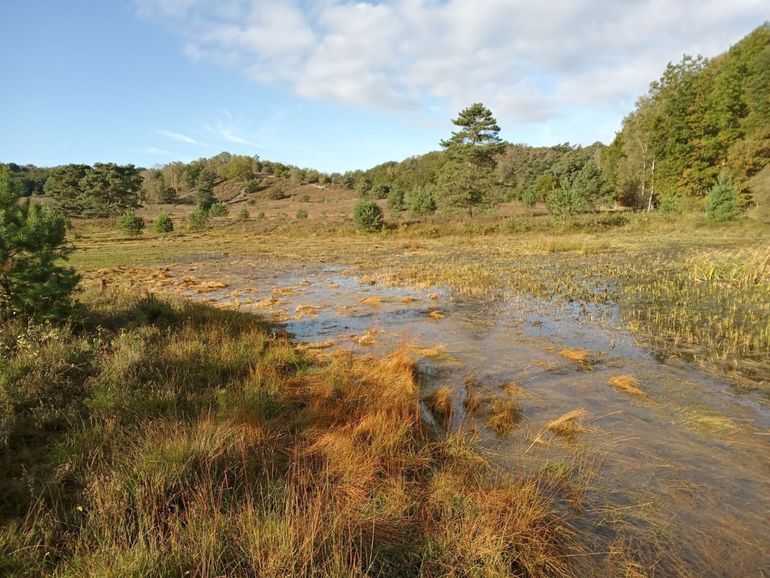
<point x="705" y="121"/>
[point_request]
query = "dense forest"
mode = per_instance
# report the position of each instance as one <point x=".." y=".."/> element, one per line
<point x="704" y="124"/>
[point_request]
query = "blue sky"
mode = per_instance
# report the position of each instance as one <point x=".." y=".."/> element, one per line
<point x="330" y="84"/>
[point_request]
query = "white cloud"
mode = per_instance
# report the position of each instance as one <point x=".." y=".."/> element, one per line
<point x="531" y="61"/>
<point x="179" y="137"/>
<point x="228" y="129"/>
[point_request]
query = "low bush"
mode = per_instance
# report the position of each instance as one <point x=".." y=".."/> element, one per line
<point x="219" y="210"/>
<point x="163" y="224"/>
<point x="368" y="216"/>
<point x="130" y="223"/>
<point x="198" y="220"/>
<point x="722" y="201"/>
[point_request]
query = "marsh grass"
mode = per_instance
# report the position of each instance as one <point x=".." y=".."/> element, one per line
<point x="170" y="439"/>
<point x="626" y="383"/>
<point x="503" y="415"/>
<point x="568" y="424"/>
<point x="685" y="289"/>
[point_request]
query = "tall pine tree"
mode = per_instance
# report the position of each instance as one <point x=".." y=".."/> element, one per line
<point x="467" y="178"/>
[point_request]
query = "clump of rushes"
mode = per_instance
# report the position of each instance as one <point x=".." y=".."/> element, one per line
<point x="582" y="356"/>
<point x="568" y="424"/>
<point x="626" y="383"/>
<point x="441" y="403"/>
<point x="503" y="415"/>
<point x="173" y="438"/>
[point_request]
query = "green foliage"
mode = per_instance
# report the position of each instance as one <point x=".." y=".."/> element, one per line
<point x="564" y="201"/>
<point x="251" y="186"/>
<point x="238" y="168"/>
<point x="218" y="210"/>
<point x="204" y="189"/>
<point x="722" y="201"/>
<point x="368" y="216"/>
<point x="467" y="178"/>
<point x="305" y="199"/>
<point x="104" y="190"/>
<point x="276" y="194"/>
<point x="27" y="180"/>
<point x="363" y="185"/>
<point x="670" y="203"/>
<point x="198" y="220"/>
<point x="591" y="186"/>
<point x="163" y="223"/>
<point x="33" y="283"/>
<point x="543" y="186"/>
<point x="301" y="215"/>
<point x="130" y="223"/>
<point x="421" y="201"/>
<point x="244" y="214"/>
<point x="702" y="115"/>
<point x="396" y="199"/>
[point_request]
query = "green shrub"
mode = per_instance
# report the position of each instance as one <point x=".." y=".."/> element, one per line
<point x="301" y="215"/>
<point x="218" y="210"/>
<point x="261" y="215"/>
<point x="251" y="202"/>
<point x="244" y="214"/>
<point x="131" y="223"/>
<point x="198" y="220"/>
<point x="305" y="198"/>
<point x="251" y="187"/>
<point x="32" y="244"/>
<point x="422" y="201"/>
<point x="530" y="197"/>
<point x="396" y="199"/>
<point x="368" y="216"/>
<point x="276" y="194"/>
<point x="670" y="204"/>
<point x="565" y="201"/>
<point x="163" y="223"/>
<point x="722" y="200"/>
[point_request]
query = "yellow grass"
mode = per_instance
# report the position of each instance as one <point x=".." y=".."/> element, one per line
<point x="568" y="424"/>
<point x="626" y="383"/>
<point x="583" y="356"/>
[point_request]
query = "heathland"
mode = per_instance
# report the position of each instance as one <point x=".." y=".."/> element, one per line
<point x="490" y="360"/>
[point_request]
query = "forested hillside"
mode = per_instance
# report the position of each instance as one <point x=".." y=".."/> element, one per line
<point x="701" y="118"/>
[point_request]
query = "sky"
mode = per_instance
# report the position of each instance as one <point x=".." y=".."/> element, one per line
<point x="331" y="84"/>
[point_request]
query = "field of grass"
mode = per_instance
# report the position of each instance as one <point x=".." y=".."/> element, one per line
<point x="163" y="438"/>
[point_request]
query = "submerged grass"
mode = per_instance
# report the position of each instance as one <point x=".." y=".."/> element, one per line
<point x="171" y="439"/>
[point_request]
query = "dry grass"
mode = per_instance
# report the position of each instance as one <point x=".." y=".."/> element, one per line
<point x="503" y="415"/>
<point x="441" y="403"/>
<point x="206" y="447"/>
<point x="582" y="356"/>
<point x="472" y="402"/>
<point x="626" y="383"/>
<point x="568" y="424"/>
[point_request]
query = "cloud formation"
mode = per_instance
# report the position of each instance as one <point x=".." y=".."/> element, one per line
<point x="529" y="61"/>
<point x="179" y="137"/>
<point x="228" y="128"/>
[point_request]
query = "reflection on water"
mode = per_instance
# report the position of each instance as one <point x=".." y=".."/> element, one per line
<point x="680" y="475"/>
